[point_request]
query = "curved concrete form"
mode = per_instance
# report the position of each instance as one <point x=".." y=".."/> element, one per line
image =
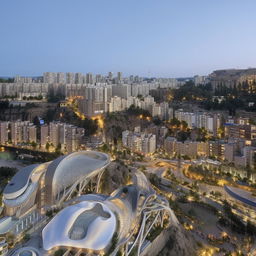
<point x="88" y="225"/>
<point x="67" y="170"/>
<point x="6" y="224"/>
<point x="130" y="212"/>
<point x="31" y="188"/>
<point x="39" y="186"/>
<point x="27" y="251"/>
<point x="20" y="193"/>
<point x="19" y="182"/>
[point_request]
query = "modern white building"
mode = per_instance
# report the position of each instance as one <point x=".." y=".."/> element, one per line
<point x="40" y="186"/>
<point x="96" y="221"/>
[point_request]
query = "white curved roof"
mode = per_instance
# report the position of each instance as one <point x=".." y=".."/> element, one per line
<point x="95" y="229"/>
<point x="22" y="198"/>
<point x="66" y="170"/>
<point x="6" y="224"/>
<point x="23" y="184"/>
<point x="19" y="182"/>
<point x="27" y="251"/>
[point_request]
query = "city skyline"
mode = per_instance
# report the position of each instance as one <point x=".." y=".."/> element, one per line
<point x="127" y="128"/>
<point x="171" y="39"/>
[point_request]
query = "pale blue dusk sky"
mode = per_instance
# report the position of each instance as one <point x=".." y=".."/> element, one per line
<point x="164" y="38"/>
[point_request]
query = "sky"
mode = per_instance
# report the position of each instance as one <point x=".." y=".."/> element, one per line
<point x="153" y="38"/>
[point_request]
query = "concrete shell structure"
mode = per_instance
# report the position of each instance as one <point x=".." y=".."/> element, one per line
<point x="70" y="169"/>
<point x="20" y="193"/>
<point x="85" y="225"/>
<point x="91" y="223"/>
<point x="38" y="186"/>
<point x="27" y="251"/>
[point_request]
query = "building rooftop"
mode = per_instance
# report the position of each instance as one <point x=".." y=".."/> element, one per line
<point x="19" y="182"/>
<point x="89" y="225"/>
<point x="66" y="170"/>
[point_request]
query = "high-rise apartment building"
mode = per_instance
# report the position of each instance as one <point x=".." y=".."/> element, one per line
<point x="139" y="142"/>
<point x="61" y="79"/>
<point x="121" y="90"/>
<point x="22" y="131"/>
<point x="115" y="104"/>
<point x="3" y="132"/>
<point x="66" y="135"/>
<point x="70" y="78"/>
<point x="89" y="78"/>
<point x="99" y="78"/>
<point x="95" y="100"/>
<point x="32" y="133"/>
<point x="78" y="78"/>
<point x="44" y="135"/>
<point x="110" y="75"/>
<point x="54" y="133"/>
<point x="119" y="77"/>
<point x="49" y="77"/>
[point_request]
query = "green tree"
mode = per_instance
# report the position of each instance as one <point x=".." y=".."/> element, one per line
<point x="58" y="149"/>
<point x="7" y="172"/>
<point x="26" y="237"/>
<point x="33" y="144"/>
<point x="175" y="122"/>
<point x="47" y="146"/>
<point x="184" y="124"/>
<point x="59" y="252"/>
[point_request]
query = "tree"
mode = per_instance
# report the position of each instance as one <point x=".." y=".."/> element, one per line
<point x="4" y="105"/>
<point x="33" y="144"/>
<point x="49" y="115"/>
<point x="157" y="121"/>
<point x="58" y="149"/>
<point x="54" y="96"/>
<point x="190" y="92"/>
<point x="175" y="122"/>
<point x="40" y="97"/>
<point x="47" y="146"/>
<point x="49" y="213"/>
<point x="10" y="239"/>
<point x="119" y="253"/>
<point x="59" y="252"/>
<point x="6" y="80"/>
<point x="36" y="121"/>
<point x="105" y="148"/>
<point x="191" y="212"/>
<point x="7" y="172"/>
<point x="182" y="136"/>
<point x="184" y="124"/>
<point x="90" y="126"/>
<point x="186" y="157"/>
<point x="202" y="133"/>
<point x="136" y="111"/>
<point x="26" y="237"/>
<point x="250" y="228"/>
